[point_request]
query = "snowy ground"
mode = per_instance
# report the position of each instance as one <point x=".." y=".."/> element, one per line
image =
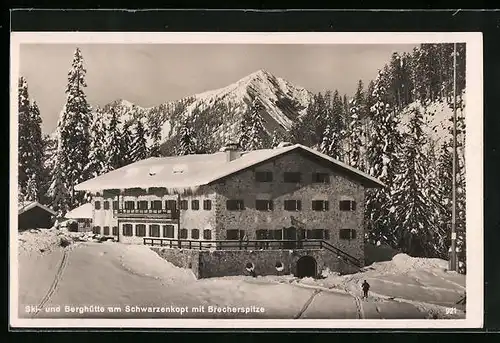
<point x="114" y="275"/>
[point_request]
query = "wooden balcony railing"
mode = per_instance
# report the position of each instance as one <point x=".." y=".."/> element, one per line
<point x="135" y="213"/>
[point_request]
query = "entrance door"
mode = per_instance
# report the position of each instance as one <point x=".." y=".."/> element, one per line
<point x="306" y="266"/>
<point x="289" y="233"/>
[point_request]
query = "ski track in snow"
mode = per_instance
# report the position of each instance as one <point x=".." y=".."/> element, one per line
<point x="449" y="281"/>
<point x="55" y="283"/>
<point x="431" y="288"/>
<point x="308" y="302"/>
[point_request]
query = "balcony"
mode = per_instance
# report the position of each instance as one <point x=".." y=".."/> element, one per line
<point x="149" y="213"/>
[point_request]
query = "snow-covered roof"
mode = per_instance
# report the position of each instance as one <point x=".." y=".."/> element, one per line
<point x="179" y="173"/>
<point x="25" y="206"/>
<point x="84" y="211"/>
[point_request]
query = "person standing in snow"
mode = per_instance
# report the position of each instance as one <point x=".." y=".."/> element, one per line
<point x="245" y="241"/>
<point x="366" y="287"/>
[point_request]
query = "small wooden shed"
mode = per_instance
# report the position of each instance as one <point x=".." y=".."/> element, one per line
<point x="33" y="215"/>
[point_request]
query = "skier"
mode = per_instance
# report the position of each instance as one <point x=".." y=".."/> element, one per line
<point x="365" y="286"/>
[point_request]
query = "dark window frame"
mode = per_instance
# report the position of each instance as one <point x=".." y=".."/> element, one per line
<point x="128" y="230"/>
<point x="195" y="234"/>
<point x="347" y="234"/>
<point x="152" y="227"/>
<point x="166" y="232"/>
<point x="347" y="205"/>
<point x="184" y="205"/>
<point x="105" y="230"/>
<point x="320" y="205"/>
<point x="321" y="177"/>
<point x="183" y="234"/>
<point x="143" y="205"/>
<point x="264" y="176"/>
<point x="207" y="234"/>
<point x="96" y="230"/>
<point x="130" y="205"/>
<point x="170" y="204"/>
<point x="298" y="205"/>
<point x="115" y="204"/>
<point x="207" y="205"/>
<point x="140" y="233"/>
<point x="97" y="205"/>
<point x="235" y="205"/>
<point x="195" y="205"/>
<point x="264" y="205"/>
<point x="114" y="231"/>
<point x="155" y="203"/>
<point x="105" y="205"/>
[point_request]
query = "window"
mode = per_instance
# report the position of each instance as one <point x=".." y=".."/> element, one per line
<point x="115" y="231"/>
<point x="184" y="234"/>
<point x="168" y="231"/>
<point x="347" y="205"/>
<point x="263" y="176"/>
<point x="96" y="230"/>
<point x="235" y="234"/>
<point x="264" y="205"/>
<point x="293" y="177"/>
<point x="195" y="234"/>
<point x="277" y="234"/>
<point x="316" y="234"/>
<point x="195" y="205"/>
<point x="293" y="205"/>
<point x="235" y="205"/>
<point x="129" y="205"/>
<point x="105" y="231"/>
<point x="184" y="205"/>
<point x="97" y="205"/>
<point x="115" y="205"/>
<point x="127" y="230"/>
<point x="207" y="234"/>
<point x="347" y="234"/>
<point x="320" y="178"/>
<point x="156" y="204"/>
<point x="262" y="234"/>
<point x="140" y="230"/>
<point x="154" y="230"/>
<point x="207" y="205"/>
<point x="320" y="205"/>
<point x="142" y="205"/>
<point x="170" y="204"/>
<point x="106" y="205"/>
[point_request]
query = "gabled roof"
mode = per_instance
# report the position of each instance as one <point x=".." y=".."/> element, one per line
<point x="179" y="173"/>
<point x="26" y="206"/>
<point x="81" y="212"/>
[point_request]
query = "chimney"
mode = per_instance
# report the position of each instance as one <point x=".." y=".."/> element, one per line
<point x="232" y="151"/>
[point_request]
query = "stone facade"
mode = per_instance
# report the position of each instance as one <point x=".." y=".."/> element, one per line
<point x="244" y="187"/>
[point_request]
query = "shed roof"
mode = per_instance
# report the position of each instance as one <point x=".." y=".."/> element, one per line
<point x="26" y="206"/>
<point x="84" y="211"/>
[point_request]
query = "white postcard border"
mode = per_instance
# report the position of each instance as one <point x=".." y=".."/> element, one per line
<point x="473" y="151"/>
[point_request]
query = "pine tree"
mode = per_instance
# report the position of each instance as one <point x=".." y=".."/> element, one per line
<point x="138" y="149"/>
<point x="187" y="143"/>
<point x="97" y="157"/>
<point x="126" y="145"/>
<point x="24" y="146"/>
<point x="382" y="159"/>
<point x="355" y="128"/>
<point x="332" y="142"/>
<point x="73" y="131"/>
<point x="35" y="169"/>
<point x="154" y="131"/>
<point x="415" y="199"/>
<point x="252" y="131"/>
<point x="114" y="152"/>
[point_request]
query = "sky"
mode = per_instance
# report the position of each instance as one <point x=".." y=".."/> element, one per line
<point x="152" y="74"/>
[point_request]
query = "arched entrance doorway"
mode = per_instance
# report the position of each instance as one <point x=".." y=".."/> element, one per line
<point x="306" y="266"/>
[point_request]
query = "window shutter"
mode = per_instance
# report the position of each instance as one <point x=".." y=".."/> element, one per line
<point x="299" y="205"/>
<point x="271" y="205"/>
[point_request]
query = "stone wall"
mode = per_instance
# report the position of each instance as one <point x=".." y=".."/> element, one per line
<point x="242" y="186"/>
<point x="182" y="258"/>
<point x="218" y="263"/>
